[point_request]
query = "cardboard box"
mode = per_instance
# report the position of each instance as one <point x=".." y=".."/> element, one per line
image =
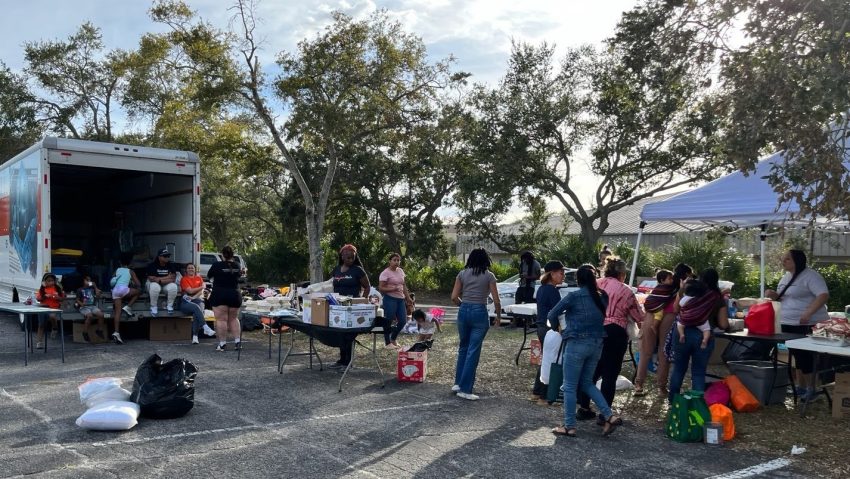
<point x="841" y="396"/>
<point x="318" y="314"/>
<point x="175" y="328"/>
<point x="412" y="367"/>
<point x="354" y="316"/>
<point x="79" y="327"/>
<point x="536" y="352"/>
<point x="319" y="311"/>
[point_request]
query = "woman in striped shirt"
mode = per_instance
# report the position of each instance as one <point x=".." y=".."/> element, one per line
<point x="622" y="306"/>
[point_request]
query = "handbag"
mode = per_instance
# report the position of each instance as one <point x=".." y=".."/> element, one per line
<point x="687" y="417"/>
<point x="556" y="377"/>
<point x="760" y="319"/>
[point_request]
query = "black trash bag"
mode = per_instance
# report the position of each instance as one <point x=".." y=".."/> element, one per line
<point x="747" y="350"/>
<point x="164" y="390"/>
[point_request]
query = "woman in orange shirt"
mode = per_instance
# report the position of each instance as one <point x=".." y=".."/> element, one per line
<point x="193" y="302"/>
<point x="50" y="295"/>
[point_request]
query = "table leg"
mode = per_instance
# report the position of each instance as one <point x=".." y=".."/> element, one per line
<point x="62" y="336"/>
<point x="27" y="341"/>
<point x="522" y="346"/>
<point x="279" y="343"/>
<point x="289" y="350"/>
<point x="270" y="340"/>
<point x="239" y="348"/>
<point x="314" y="351"/>
<point x="791" y="379"/>
<point x="348" y="366"/>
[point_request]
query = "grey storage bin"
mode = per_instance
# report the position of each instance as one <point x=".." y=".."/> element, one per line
<point x="758" y="377"/>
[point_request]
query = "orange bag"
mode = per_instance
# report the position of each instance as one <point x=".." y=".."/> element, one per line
<point x="742" y="399"/>
<point x="723" y="415"/>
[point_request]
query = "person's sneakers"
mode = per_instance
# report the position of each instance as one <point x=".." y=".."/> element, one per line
<point x="221" y="347"/>
<point x="584" y="414"/>
<point x="86" y="337"/>
<point x="127" y="309"/>
<point x="169" y="310"/>
<point x="209" y="331"/>
<point x="99" y="334"/>
<point x="117" y="338"/>
<point x="237" y="345"/>
<point x="154" y="310"/>
<point x="54" y="334"/>
<point x="455" y="388"/>
<point x="39" y="344"/>
<point x="336" y="365"/>
<point x="468" y="396"/>
<point x="195" y="339"/>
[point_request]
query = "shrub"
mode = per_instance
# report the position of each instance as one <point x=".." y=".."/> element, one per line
<point x="626" y="252"/>
<point x="445" y="273"/>
<point x="419" y="276"/>
<point x="838" y="281"/>
<point x="571" y="250"/>
<point x="503" y="272"/>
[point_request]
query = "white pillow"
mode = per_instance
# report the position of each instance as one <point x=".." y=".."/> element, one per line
<point x="96" y="386"/>
<point x="110" y="416"/>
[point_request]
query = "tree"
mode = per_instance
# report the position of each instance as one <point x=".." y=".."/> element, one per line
<point x="352" y="82"/>
<point x="18" y="122"/>
<point x="784" y="88"/>
<point x="640" y="115"/>
<point x="81" y="83"/>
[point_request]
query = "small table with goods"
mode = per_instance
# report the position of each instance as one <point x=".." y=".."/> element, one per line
<point x="528" y="313"/>
<point x="27" y="311"/>
<point x="327" y="335"/>
<point x="819" y="346"/>
<point x="742" y="337"/>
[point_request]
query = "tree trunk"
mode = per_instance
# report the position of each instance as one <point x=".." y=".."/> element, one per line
<point x="314" y="246"/>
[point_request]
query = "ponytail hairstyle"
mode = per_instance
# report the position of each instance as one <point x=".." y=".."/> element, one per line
<point x="587" y="279"/>
<point x="798" y="256"/>
<point x="614" y="267"/>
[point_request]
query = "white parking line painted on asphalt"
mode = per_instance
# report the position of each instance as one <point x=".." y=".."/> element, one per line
<point x="270" y="425"/>
<point x="755" y="470"/>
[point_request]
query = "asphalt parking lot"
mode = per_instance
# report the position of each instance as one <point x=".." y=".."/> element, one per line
<point x="249" y="421"/>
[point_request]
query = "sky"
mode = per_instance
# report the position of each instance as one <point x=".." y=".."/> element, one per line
<point x="478" y="33"/>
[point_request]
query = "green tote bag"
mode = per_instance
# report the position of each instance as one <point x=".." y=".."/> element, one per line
<point x="687" y="417"/>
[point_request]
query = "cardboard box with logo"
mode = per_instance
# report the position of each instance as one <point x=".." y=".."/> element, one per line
<point x="412" y="366"/>
<point x="353" y="316"/>
<point x="841" y="396"/>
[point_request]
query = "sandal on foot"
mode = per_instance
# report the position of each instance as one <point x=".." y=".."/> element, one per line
<point x="563" y="431"/>
<point x="639" y="391"/>
<point x="611" y="425"/>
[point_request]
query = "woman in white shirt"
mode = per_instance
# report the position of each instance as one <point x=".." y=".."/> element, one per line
<point x="803" y="294"/>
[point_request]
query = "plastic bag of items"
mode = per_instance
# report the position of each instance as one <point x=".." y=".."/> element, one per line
<point x="164" y="390"/>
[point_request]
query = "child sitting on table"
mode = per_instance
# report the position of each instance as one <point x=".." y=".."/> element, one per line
<point x="50" y="295"/>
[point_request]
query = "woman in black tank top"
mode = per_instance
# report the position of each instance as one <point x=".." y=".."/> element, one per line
<point x="226" y="299"/>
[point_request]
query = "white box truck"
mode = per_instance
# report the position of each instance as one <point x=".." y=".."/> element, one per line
<point x="68" y="205"/>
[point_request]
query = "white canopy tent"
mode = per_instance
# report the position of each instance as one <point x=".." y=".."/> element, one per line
<point x="735" y="200"/>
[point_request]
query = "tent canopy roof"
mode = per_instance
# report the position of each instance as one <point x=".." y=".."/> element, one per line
<point x="734" y="200"/>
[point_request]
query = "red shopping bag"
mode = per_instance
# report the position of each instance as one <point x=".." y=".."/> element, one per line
<point x="760" y="319"/>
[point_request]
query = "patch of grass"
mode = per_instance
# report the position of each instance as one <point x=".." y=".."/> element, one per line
<point x="771" y="431"/>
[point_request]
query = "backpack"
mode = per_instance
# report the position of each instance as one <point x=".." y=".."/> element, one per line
<point x="687" y="417"/>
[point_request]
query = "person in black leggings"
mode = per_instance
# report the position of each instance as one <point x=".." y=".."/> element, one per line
<point x="226" y="298"/>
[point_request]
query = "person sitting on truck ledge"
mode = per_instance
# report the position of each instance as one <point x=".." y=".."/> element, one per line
<point x="125" y="286"/>
<point x="162" y="274"/>
<point x="50" y="295"/>
<point x="86" y="302"/>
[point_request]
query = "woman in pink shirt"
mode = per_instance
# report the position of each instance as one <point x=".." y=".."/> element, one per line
<point x="391" y="284"/>
<point x="622" y="306"/>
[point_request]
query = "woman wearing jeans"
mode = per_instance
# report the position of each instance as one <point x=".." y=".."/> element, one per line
<point x="691" y="349"/>
<point x="472" y="286"/>
<point x="396" y="296"/>
<point x="583" y="334"/>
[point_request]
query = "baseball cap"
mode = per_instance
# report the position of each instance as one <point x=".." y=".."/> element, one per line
<point x="553" y="266"/>
<point x="163" y="252"/>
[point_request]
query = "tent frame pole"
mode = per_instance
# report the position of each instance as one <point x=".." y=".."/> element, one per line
<point x="762" y="238"/>
<point x="637" y="251"/>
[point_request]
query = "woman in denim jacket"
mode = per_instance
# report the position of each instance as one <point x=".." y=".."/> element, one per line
<point x="582" y="333"/>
